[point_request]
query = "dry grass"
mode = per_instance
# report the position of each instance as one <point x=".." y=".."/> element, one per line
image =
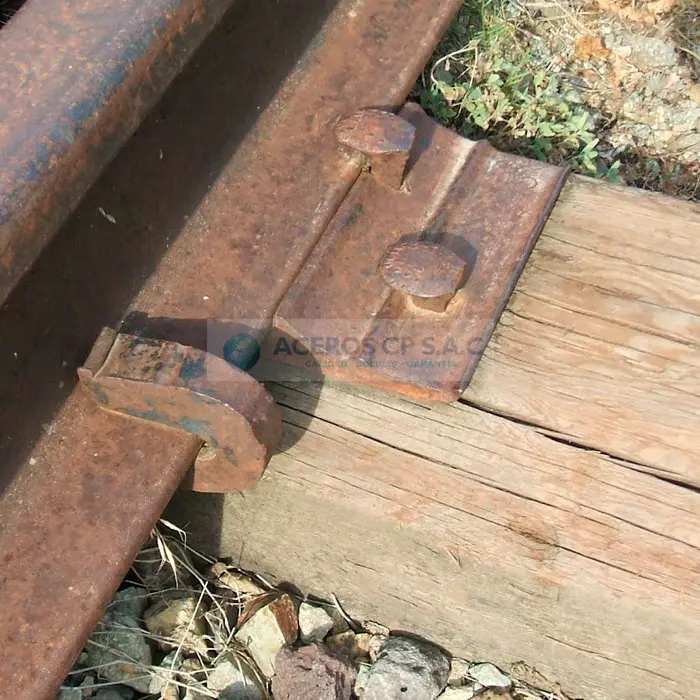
<point x="686" y="32"/>
<point x="171" y="557"/>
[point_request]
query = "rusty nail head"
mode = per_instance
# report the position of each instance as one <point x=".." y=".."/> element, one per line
<point x="384" y="137"/>
<point x="427" y="271"/>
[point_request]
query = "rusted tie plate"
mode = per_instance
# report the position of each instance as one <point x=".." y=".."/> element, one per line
<point x="406" y="285"/>
<point x="189" y="390"/>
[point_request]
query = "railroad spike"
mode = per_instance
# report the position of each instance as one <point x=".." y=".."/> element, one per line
<point x="385" y="138"/>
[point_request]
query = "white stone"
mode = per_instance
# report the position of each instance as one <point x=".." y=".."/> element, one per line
<point x="233" y="679"/>
<point x="361" y="679"/>
<point x="489" y="675"/>
<point x="267" y="631"/>
<point x="459" y="670"/>
<point x="649" y="53"/>
<point x="407" y="668"/>
<point x="314" y="623"/>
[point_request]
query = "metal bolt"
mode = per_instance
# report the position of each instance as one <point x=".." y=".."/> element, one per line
<point x="427" y="271"/>
<point x="385" y="138"/>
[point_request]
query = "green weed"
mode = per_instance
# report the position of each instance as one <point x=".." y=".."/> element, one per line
<point x="485" y="82"/>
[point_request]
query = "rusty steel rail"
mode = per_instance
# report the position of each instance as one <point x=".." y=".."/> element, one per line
<point x="217" y="226"/>
<point x="76" y="80"/>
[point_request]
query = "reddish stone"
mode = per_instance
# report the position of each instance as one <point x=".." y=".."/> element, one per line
<point x="312" y="672"/>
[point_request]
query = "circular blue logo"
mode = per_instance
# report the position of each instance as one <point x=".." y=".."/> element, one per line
<point x="242" y="351"/>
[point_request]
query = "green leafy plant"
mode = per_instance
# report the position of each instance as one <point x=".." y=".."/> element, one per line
<point x="484" y="83"/>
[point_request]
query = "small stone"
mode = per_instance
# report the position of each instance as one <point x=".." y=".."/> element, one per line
<point x="197" y="692"/>
<point x="649" y="53"/>
<point x="355" y="646"/>
<point x="171" y="692"/>
<point x="459" y="670"/>
<point x="180" y="619"/>
<point x="622" y="51"/>
<point x="267" y="630"/>
<point x="241" y="584"/>
<point x="160" y="680"/>
<point x="376" y="628"/>
<point x="376" y="643"/>
<point x="70" y="694"/>
<point x="490" y="676"/>
<point x="362" y="678"/>
<point x="314" y="623"/>
<point x="233" y="679"/>
<point x="126" y="692"/>
<point x="129" y="601"/>
<point x="89" y="685"/>
<point x="694" y="92"/>
<point x="119" y="647"/>
<point x="192" y="668"/>
<point x="361" y="646"/>
<point x="312" y="672"/>
<point x="407" y="668"/>
<point x="344" y="639"/>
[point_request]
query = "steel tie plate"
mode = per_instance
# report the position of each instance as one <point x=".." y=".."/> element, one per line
<point x="407" y="284"/>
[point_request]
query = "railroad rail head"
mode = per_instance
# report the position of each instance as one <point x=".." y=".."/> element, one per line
<point x="76" y="80"/>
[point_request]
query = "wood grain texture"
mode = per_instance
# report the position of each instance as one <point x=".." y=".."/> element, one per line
<point x="527" y="522"/>
<point x="481" y="534"/>
<point x="601" y="341"/>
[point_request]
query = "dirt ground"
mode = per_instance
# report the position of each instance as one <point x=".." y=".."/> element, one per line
<point x="609" y="86"/>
